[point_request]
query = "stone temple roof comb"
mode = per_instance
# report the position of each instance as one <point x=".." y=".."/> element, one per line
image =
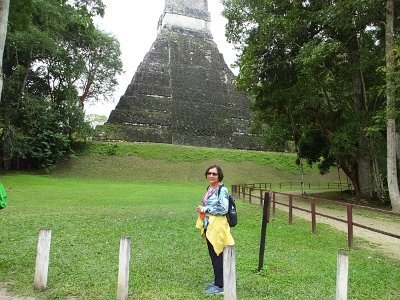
<point x="186" y="15"/>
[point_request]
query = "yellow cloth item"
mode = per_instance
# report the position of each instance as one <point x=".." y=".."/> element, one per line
<point x="218" y="232"/>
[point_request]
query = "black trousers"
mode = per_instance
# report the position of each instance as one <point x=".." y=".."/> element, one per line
<point x="217" y="263"/>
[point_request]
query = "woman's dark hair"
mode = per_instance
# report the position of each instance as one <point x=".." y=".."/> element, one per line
<point x="219" y="171"/>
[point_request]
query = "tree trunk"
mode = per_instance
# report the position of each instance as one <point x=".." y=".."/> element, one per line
<point x="365" y="176"/>
<point x="4" y="8"/>
<point x="352" y="174"/>
<point x="369" y="179"/>
<point x="393" y="185"/>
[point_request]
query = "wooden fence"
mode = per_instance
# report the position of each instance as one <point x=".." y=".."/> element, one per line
<point x="248" y="190"/>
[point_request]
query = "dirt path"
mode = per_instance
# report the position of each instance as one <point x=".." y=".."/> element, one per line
<point x="387" y="245"/>
<point x="4" y="295"/>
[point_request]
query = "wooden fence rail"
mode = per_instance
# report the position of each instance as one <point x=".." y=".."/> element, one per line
<point x="244" y="190"/>
<point x="267" y="186"/>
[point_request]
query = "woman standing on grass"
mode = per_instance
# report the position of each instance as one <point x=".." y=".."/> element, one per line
<point x="213" y="225"/>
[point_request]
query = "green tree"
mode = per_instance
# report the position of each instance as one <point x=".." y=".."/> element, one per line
<point x="311" y="67"/>
<point x="102" y="64"/>
<point x="55" y="59"/>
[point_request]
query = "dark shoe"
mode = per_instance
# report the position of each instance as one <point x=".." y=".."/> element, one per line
<point x="214" y="290"/>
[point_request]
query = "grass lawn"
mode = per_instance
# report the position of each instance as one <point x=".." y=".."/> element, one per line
<point x="168" y="259"/>
<point x="149" y="162"/>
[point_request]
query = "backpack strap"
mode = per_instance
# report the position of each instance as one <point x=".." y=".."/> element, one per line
<point x="219" y="189"/>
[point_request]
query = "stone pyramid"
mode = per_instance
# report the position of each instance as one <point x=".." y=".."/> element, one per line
<point x="182" y="92"/>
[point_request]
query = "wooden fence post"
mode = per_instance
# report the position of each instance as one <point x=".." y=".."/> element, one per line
<point x="261" y="198"/>
<point x="342" y="276"/>
<point x="350" y="225"/>
<point x="229" y="261"/>
<point x="42" y="260"/>
<point x="290" y="209"/>
<point x="250" y="190"/>
<point x="123" y="273"/>
<point x="269" y="205"/>
<point x="273" y="203"/>
<point x="313" y="216"/>
<point x="265" y="221"/>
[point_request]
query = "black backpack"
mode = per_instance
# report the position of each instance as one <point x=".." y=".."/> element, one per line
<point x="231" y="215"/>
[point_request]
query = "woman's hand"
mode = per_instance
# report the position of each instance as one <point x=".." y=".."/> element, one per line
<point x="199" y="208"/>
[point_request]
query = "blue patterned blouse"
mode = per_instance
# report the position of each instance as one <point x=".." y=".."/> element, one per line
<point x="214" y="205"/>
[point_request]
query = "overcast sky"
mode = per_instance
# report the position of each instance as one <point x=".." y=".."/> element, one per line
<point x="134" y="23"/>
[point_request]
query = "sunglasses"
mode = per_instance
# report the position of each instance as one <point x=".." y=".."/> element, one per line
<point x="212" y="173"/>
